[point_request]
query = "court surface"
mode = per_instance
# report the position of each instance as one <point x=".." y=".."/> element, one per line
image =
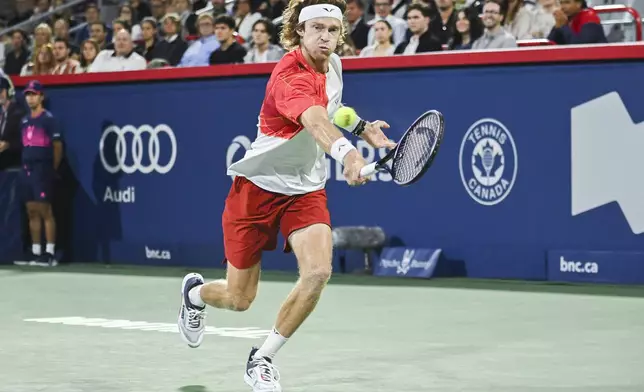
<point x="94" y="329"/>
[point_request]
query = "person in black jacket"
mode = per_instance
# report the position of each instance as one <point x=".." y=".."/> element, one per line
<point x="358" y="28"/>
<point x="421" y="40"/>
<point x="172" y="47"/>
<point x="11" y="112"/>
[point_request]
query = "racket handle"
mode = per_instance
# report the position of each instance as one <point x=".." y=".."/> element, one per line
<point x="368" y="170"/>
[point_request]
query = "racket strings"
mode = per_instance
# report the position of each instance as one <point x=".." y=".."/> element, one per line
<point x="415" y="150"/>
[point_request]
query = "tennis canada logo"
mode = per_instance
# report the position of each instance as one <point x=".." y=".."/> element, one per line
<point x="488" y="161"/>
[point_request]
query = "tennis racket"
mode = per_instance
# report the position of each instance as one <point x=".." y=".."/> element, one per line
<point x="415" y="151"/>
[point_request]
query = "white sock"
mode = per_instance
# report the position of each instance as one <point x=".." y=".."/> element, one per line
<point x="50" y="248"/>
<point x="36" y="249"/>
<point x="271" y="345"/>
<point x="195" y="296"/>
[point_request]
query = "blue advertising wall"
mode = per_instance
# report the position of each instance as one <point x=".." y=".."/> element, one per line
<point x="495" y="218"/>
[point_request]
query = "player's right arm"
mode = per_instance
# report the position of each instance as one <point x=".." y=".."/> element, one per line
<point x="296" y="99"/>
<point x="316" y="121"/>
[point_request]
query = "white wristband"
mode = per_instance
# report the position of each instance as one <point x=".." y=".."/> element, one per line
<point x="340" y="148"/>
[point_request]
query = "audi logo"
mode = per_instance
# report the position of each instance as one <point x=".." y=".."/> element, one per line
<point x="136" y="149"/>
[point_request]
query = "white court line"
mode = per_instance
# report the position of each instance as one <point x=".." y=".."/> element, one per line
<point x="244" y="333"/>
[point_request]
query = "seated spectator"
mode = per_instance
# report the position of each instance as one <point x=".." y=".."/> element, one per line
<point x="89" y="51"/>
<point x="245" y="18"/>
<point x="118" y="25"/>
<point x="422" y="40"/>
<point x="575" y="23"/>
<point x="469" y="28"/>
<point x="384" y="45"/>
<point x="159" y="10"/>
<point x="43" y="63"/>
<point x="198" y="53"/>
<point x="230" y="51"/>
<point x="149" y="47"/>
<point x="141" y="10"/>
<point x="443" y="25"/>
<point x="126" y="14"/>
<point x="543" y="20"/>
<point x="42" y="36"/>
<point x="172" y="46"/>
<point x="383" y="11"/>
<point x="92" y="15"/>
<point x="98" y="33"/>
<point x="188" y="18"/>
<point x="261" y="50"/>
<point x="518" y="20"/>
<point x="494" y="36"/>
<point x="271" y="9"/>
<point x="122" y="58"/>
<point x="19" y="54"/>
<point x="358" y="28"/>
<point x="64" y="63"/>
<point x="61" y="31"/>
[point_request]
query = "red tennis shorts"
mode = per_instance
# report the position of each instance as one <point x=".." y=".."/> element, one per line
<point x="253" y="217"/>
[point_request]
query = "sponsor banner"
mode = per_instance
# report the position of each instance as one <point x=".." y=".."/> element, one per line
<point x="10" y="218"/>
<point x="407" y="262"/>
<point x="506" y="184"/>
<point x="596" y="266"/>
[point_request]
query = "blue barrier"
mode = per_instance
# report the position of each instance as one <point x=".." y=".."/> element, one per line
<point x="498" y="197"/>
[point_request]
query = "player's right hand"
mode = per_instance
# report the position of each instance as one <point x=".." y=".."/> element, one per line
<point x="353" y="163"/>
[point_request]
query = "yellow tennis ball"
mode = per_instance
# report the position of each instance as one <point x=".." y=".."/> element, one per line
<point x="345" y="116"/>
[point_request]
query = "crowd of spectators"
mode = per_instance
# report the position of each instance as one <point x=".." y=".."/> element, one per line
<point x="186" y="33"/>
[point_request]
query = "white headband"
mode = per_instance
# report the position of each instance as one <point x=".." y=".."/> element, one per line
<point x="320" y="11"/>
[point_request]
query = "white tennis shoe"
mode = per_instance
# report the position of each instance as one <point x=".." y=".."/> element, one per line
<point x="261" y="374"/>
<point x="191" y="321"/>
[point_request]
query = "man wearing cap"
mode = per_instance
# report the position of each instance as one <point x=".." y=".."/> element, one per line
<point x="279" y="186"/>
<point x="41" y="155"/>
<point x="11" y="113"/>
<point x="172" y="47"/>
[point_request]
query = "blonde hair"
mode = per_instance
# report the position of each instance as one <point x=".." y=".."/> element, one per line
<point x="289" y="38"/>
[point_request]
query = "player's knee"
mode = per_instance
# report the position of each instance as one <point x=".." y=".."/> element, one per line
<point x="317" y="278"/>
<point x="240" y="303"/>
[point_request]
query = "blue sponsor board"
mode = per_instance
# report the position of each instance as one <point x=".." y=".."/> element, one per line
<point x="596" y="267"/>
<point x="407" y="262"/>
<point x="513" y="179"/>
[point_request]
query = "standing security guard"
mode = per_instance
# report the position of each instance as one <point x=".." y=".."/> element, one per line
<point x="11" y="112"/>
<point x="41" y="157"/>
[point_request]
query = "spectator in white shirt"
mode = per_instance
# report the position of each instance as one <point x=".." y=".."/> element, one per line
<point x="122" y="58"/>
<point x="261" y="50"/>
<point x="398" y="26"/>
<point x="384" y="41"/>
<point x="245" y="18"/>
<point x="518" y="20"/>
<point x="543" y="20"/>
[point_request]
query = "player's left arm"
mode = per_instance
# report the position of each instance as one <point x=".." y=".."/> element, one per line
<point x="57" y="143"/>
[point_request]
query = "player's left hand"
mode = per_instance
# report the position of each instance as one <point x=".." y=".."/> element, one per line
<point x="374" y="135"/>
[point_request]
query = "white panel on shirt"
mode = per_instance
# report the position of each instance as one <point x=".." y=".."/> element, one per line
<point x="291" y="166"/>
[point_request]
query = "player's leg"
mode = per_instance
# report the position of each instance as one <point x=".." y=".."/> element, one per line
<point x="248" y="230"/>
<point x="306" y="224"/>
<point x="237" y="292"/>
<point x="43" y="180"/>
<point x="35" y="228"/>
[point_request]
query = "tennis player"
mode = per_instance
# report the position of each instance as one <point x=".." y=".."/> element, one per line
<point x="279" y="185"/>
